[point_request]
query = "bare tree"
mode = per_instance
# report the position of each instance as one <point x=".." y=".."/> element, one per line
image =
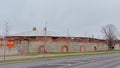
<point x="110" y="34"/>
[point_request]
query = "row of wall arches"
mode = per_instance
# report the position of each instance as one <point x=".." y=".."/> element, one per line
<point x="64" y="49"/>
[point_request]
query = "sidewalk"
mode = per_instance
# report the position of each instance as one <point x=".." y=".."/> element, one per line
<point x="50" y="55"/>
<point x="23" y="56"/>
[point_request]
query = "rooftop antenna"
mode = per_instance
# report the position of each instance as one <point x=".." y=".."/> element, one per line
<point x="86" y="35"/>
<point x="92" y="36"/>
<point x="68" y="33"/>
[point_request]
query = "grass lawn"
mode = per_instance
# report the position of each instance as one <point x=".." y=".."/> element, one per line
<point x="58" y="55"/>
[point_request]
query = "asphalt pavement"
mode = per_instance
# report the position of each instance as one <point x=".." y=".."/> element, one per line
<point x="94" y="61"/>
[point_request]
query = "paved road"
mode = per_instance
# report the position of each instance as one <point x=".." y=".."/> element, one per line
<point x="96" y="61"/>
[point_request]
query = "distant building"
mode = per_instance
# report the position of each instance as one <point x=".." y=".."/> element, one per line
<point x="36" y="41"/>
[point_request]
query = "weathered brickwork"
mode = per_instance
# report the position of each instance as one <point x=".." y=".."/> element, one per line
<point x="24" y="45"/>
<point x="58" y="44"/>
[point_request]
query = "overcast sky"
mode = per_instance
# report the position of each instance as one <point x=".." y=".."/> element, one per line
<point x="81" y="17"/>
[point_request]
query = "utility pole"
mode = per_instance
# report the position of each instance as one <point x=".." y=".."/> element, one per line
<point x="45" y="40"/>
<point x="5" y="32"/>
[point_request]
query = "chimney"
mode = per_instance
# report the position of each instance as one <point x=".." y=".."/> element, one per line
<point x="34" y="29"/>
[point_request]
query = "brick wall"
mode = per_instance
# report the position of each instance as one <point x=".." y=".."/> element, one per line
<point x="55" y="45"/>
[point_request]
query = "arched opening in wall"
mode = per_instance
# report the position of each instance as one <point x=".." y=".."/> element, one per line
<point x="64" y="49"/>
<point x="41" y="49"/>
<point x="82" y="49"/>
<point x="94" y="48"/>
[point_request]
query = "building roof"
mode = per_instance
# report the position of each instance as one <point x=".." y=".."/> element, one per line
<point x="36" y="33"/>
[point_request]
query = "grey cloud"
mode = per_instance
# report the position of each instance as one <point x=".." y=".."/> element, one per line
<point x="79" y="16"/>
